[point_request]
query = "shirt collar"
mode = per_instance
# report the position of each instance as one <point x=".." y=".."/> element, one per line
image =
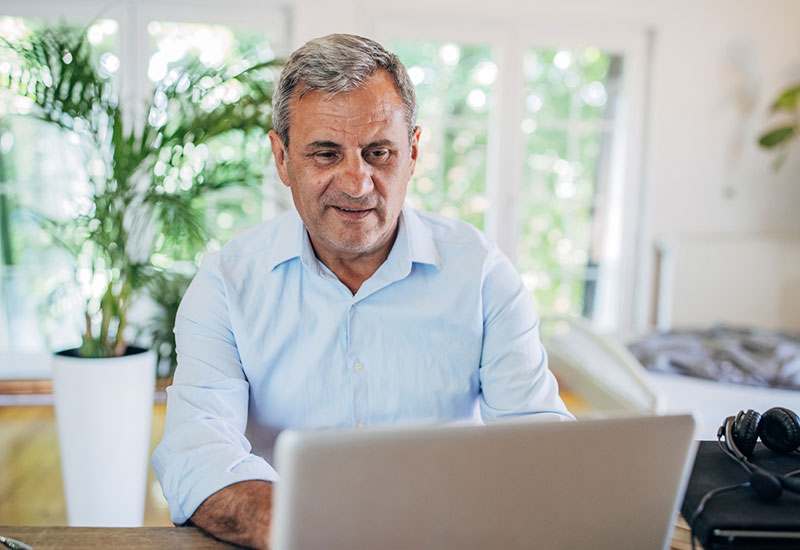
<point x="291" y="241"/>
<point x="421" y="246"/>
<point x="414" y="243"/>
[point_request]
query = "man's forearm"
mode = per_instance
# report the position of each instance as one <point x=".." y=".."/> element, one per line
<point x="238" y="513"/>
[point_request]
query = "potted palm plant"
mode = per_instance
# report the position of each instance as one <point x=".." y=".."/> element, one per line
<point x="142" y="217"/>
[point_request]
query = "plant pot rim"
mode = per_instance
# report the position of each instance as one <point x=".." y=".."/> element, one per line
<point x="129" y="351"/>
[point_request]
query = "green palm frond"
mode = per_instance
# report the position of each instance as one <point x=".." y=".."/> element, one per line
<point x="192" y="115"/>
<point x="57" y="72"/>
<point x="66" y="235"/>
<point x="181" y="218"/>
<point x="221" y="175"/>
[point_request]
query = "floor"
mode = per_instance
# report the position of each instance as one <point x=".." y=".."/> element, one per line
<point x="30" y="484"/>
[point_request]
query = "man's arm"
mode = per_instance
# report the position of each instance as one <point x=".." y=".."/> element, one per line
<point x="204" y="448"/>
<point x="515" y="379"/>
<point x="239" y="513"/>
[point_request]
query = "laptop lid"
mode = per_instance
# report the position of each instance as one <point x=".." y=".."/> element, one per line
<point x="602" y="483"/>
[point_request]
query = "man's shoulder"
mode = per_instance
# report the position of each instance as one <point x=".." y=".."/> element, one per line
<point x="262" y="241"/>
<point x="458" y="243"/>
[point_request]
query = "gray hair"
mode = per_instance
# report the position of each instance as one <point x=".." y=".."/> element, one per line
<point x="335" y="64"/>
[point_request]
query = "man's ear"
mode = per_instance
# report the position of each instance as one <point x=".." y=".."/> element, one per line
<point x="281" y="156"/>
<point x="415" y="147"/>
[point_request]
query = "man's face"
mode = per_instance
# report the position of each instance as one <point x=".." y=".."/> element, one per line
<point x="348" y="164"/>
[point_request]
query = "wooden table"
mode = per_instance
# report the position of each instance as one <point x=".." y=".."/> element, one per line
<point x="113" y="538"/>
<point x="171" y="538"/>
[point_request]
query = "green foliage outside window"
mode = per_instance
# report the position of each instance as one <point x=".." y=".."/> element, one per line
<point x="176" y="47"/>
<point x="569" y="99"/>
<point x="567" y="129"/>
<point x="454" y="86"/>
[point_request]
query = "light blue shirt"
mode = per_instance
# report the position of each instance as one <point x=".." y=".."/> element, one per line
<point x="268" y="338"/>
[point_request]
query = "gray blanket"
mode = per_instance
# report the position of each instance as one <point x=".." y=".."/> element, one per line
<point x="726" y="354"/>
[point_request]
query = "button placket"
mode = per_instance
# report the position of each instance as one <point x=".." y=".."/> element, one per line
<point x="358" y="372"/>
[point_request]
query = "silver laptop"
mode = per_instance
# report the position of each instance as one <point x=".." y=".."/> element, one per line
<point x="591" y="484"/>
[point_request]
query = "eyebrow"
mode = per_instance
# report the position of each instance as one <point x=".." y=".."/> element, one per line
<point x="322" y="144"/>
<point x="325" y="144"/>
<point x="380" y="143"/>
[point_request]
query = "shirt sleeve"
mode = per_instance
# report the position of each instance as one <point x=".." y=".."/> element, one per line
<point x="516" y="382"/>
<point x="204" y="447"/>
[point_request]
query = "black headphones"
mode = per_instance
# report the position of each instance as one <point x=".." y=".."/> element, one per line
<point x="779" y="430"/>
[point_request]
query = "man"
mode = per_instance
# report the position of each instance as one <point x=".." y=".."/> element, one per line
<point x="350" y="312"/>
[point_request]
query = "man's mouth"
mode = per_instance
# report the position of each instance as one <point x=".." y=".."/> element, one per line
<point x="352" y="213"/>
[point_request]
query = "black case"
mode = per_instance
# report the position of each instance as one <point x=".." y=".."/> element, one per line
<point x="740" y="509"/>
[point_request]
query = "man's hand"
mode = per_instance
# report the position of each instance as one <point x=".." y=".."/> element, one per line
<point x="239" y="513"/>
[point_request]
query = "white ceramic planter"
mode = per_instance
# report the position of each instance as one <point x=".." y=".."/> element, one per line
<point x="104" y="410"/>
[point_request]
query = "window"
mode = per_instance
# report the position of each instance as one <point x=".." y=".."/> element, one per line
<point x="41" y="167"/>
<point x="536" y="144"/>
<point x="571" y="98"/>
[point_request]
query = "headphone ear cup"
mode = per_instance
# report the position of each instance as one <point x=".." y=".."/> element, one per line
<point x="779" y="429"/>
<point x="745" y="432"/>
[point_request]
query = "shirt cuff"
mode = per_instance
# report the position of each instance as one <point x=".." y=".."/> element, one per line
<point x="200" y="483"/>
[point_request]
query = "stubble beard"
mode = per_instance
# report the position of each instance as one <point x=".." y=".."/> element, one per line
<point x="355" y="238"/>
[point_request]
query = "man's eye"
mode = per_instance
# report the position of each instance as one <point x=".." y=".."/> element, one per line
<point x="325" y="157"/>
<point x="378" y="155"/>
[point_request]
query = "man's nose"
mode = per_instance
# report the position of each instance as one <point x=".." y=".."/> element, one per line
<point x="356" y="176"/>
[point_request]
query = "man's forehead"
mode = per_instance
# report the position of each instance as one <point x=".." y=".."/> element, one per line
<point x="329" y="131"/>
<point x="373" y="111"/>
<point x="379" y="90"/>
<point x="363" y="108"/>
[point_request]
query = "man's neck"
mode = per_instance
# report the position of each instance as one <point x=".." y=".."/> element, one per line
<point x="353" y="270"/>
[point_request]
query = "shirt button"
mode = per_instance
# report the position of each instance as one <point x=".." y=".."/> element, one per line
<point x="361" y="426"/>
<point x="358" y="367"/>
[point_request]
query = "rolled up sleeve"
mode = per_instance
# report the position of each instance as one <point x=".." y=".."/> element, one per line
<point x="204" y="447"/>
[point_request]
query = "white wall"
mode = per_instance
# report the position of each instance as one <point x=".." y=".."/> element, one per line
<point x="737" y="278"/>
<point x="733" y="219"/>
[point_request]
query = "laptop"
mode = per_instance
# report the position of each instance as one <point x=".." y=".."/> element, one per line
<point x="602" y="483"/>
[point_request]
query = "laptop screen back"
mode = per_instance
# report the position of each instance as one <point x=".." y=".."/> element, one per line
<point x="586" y="484"/>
